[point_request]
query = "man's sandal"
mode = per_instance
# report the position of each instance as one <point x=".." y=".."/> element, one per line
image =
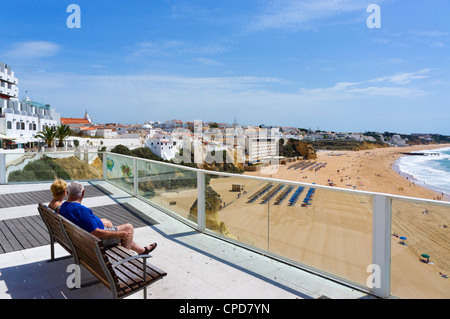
<point x="150" y="248"/>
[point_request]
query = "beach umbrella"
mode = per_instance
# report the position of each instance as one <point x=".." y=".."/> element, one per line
<point x="425" y="256"/>
<point x="403" y="238"/>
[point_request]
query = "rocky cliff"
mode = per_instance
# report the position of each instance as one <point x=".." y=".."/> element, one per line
<point x="212" y="205"/>
<point x="80" y="170"/>
<point x="305" y="149"/>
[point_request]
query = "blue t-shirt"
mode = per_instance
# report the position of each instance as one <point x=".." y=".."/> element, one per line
<point x="81" y="216"/>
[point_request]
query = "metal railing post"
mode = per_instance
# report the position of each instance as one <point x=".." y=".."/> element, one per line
<point x="135" y="177"/>
<point x="381" y="245"/>
<point x="201" y="214"/>
<point x="105" y="167"/>
<point x="3" y="179"/>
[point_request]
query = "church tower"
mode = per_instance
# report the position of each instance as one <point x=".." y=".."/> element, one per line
<point x="87" y="117"/>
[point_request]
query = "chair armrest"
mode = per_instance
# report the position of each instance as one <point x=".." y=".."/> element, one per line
<point x="144" y="257"/>
<point x="117" y="263"/>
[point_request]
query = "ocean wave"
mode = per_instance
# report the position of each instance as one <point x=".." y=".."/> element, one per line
<point x="432" y="170"/>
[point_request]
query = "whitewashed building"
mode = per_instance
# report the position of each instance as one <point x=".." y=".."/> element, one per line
<point x="164" y="146"/>
<point x="20" y="121"/>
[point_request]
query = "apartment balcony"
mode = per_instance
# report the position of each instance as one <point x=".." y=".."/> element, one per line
<point x="226" y="236"/>
<point x="10" y="78"/>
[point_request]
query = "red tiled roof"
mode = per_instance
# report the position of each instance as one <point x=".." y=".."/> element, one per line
<point x="69" y="120"/>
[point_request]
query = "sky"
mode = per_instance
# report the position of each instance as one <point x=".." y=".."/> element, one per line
<point x="308" y="64"/>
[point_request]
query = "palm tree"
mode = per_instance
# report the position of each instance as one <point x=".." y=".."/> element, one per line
<point x="48" y="134"/>
<point x="62" y="132"/>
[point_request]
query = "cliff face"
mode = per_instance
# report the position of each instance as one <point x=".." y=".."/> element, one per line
<point x="225" y="164"/>
<point x="306" y="150"/>
<point x="212" y="205"/>
<point x="368" y="145"/>
<point x="346" y="145"/>
<point x="79" y="170"/>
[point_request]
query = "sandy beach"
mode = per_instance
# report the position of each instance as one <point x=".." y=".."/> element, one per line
<point x="368" y="170"/>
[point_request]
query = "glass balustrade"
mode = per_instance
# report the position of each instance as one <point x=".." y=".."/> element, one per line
<point x="120" y="171"/>
<point x="46" y="167"/>
<point x="171" y="187"/>
<point x="232" y="208"/>
<point x="325" y="229"/>
<point x="420" y="249"/>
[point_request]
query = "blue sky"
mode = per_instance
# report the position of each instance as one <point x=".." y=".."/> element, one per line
<point x="309" y="64"/>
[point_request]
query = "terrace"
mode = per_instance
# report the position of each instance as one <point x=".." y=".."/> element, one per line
<point x="215" y="244"/>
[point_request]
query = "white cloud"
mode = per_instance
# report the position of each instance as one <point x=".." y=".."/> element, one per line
<point x="366" y="88"/>
<point x="432" y="34"/>
<point x="32" y="50"/>
<point x="209" y="62"/>
<point x="404" y="78"/>
<point x="300" y="14"/>
<point x="167" y="48"/>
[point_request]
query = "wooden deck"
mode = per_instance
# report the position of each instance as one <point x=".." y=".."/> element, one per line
<point x="28" y="232"/>
<point x="44" y="196"/>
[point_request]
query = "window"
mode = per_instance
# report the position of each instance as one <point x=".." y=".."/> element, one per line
<point x="9" y="125"/>
<point x="22" y="126"/>
<point x="34" y="126"/>
<point x="18" y="125"/>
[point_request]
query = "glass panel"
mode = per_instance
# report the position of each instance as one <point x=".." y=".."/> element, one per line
<point x="233" y="208"/>
<point x="173" y="188"/>
<point x="324" y="229"/>
<point x="420" y="229"/>
<point x="119" y="171"/>
<point x="46" y="167"/>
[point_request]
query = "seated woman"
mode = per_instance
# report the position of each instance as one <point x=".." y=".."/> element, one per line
<point x="59" y="191"/>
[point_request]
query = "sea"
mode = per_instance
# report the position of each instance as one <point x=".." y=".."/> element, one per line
<point x="431" y="171"/>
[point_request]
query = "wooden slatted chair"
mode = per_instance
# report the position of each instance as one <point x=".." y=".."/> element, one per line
<point x="117" y="268"/>
<point x="53" y="222"/>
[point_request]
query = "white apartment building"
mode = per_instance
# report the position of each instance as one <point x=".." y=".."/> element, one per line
<point x="164" y="146"/>
<point x="261" y="144"/>
<point x="20" y="121"/>
<point x="398" y="141"/>
<point x="8" y="83"/>
<point x="260" y="149"/>
<point x="107" y="133"/>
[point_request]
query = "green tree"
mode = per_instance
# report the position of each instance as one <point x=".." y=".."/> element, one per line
<point x="48" y="134"/>
<point x="62" y="132"/>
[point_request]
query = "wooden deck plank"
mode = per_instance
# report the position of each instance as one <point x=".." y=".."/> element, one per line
<point x="19" y="233"/>
<point x="10" y="238"/>
<point x="32" y="235"/>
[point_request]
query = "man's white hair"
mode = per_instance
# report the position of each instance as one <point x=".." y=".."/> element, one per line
<point x="75" y="189"/>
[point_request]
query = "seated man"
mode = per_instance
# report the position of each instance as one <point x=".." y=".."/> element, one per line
<point x="103" y="229"/>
